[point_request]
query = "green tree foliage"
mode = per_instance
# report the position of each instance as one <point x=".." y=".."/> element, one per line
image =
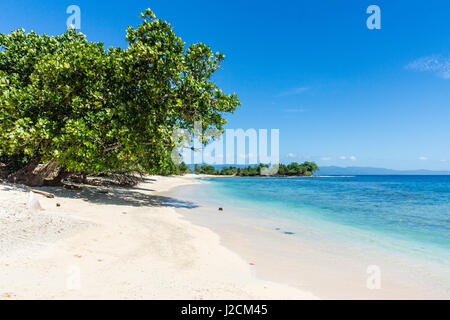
<point x="295" y="169"/>
<point x="183" y="169"/>
<point x="68" y="100"/>
<point x="205" y="169"/>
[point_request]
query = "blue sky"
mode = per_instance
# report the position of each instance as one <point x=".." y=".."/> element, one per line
<point x="340" y="94"/>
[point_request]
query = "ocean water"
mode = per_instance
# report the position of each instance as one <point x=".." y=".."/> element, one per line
<point x="321" y="234"/>
<point x="405" y="215"/>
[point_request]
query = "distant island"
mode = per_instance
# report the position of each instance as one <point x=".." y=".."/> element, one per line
<point x="305" y="169"/>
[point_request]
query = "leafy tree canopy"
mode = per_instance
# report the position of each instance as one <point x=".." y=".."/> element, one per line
<point x="65" y="99"/>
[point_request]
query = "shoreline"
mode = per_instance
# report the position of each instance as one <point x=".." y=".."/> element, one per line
<point x="127" y="243"/>
<point x="307" y="264"/>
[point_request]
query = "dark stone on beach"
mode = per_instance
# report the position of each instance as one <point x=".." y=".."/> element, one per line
<point x="58" y="205"/>
<point x="288" y="232"/>
<point x="277" y="229"/>
<point x="220" y="209"/>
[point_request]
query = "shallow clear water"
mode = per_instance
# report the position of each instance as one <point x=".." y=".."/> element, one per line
<point x="403" y="214"/>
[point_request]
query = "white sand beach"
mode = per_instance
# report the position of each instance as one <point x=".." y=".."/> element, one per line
<point x="119" y="243"/>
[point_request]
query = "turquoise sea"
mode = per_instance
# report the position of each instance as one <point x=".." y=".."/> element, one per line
<point x="401" y="223"/>
<point x="408" y="215"/>
<point x="414" y="208"/>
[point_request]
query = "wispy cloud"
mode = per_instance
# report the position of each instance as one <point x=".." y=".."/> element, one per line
<point x="437" y="64"/>
<point x="326" y="158"/>
<point x="351" y="158"/>
<point x="423" y="158"/>
<point x="293" y="92"/>
<point x="291" y="155"/>
<point x="444" y="160"/>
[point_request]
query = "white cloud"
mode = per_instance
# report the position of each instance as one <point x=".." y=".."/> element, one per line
<point x="437" y="64"/>
<point x="343" y="158"/>
<point x="444" y="160"/>
<point x="352" y="158"/>
<point x="291" y="155"/>
<point x="423" y="158"/>
<point x="326" y="158"/>
<point x="294" y="91"/>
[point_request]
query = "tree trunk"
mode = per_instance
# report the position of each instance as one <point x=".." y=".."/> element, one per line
<point x="26" y="175"/>
<point x="58" y="179"/>
<point x="84" y="179"/>
<point x="33" y="176"/>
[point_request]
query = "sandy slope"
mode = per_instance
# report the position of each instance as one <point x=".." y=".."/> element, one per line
<point x="126" y="244"/>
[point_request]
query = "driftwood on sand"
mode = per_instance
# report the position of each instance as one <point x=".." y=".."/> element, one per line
<point x="43" y="193"/>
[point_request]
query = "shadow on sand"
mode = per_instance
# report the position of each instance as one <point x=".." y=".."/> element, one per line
<point x="120" y="196"/>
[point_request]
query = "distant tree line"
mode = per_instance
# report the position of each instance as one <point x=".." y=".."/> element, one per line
<point x="293" y="169"/>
